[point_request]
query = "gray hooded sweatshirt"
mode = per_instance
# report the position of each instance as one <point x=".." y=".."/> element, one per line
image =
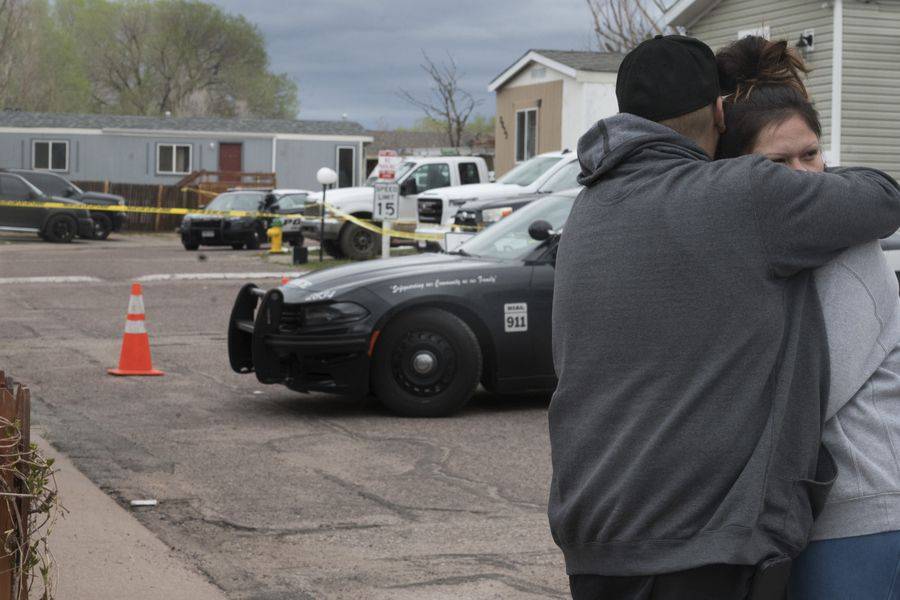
<point x="691" y="352"/>
<point x="858" y="293"/>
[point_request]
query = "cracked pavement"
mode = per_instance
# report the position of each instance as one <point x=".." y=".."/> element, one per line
<point x="271" y="494"/>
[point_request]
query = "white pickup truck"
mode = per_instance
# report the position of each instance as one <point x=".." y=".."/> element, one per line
<point x="416" y="174"/>
<point x="437" y="207"/>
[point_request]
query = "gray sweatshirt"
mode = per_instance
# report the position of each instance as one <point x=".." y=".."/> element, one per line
<point x="691" y="351"/>
<point x="858" y="292"/>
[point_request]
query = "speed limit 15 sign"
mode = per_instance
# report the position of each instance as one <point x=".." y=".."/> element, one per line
<point x="387" y="201"/>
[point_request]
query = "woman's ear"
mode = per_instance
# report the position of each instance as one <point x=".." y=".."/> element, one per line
<point x="720" y="115"/>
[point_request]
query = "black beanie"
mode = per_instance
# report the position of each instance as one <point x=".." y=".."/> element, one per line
<point x="666" y="77"/>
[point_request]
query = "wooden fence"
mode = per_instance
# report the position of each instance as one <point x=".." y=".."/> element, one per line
<point x="157" y="196"/>
<point x="15" y="406"/>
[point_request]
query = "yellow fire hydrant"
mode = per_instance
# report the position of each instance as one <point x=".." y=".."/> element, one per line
<point x="274" y="233"/>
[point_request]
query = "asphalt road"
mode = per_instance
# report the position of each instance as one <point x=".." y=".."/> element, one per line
<point x="272" y="494"/>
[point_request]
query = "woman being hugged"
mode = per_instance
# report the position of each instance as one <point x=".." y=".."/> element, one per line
<point x="855" y="547"/>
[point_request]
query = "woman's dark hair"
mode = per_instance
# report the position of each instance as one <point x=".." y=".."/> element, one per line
<point x="763" y="87"/>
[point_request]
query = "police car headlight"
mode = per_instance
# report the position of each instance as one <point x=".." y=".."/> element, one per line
<point x="328" y="314"/>
<point x="492" y="215"/>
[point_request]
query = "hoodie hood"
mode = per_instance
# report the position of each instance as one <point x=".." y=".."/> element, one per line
<point x="612" y="140"/>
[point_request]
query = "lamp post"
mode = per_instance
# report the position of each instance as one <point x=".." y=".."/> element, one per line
<point x="325" y="177"/>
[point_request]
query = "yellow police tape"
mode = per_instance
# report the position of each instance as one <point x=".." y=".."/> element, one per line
<point x="150" y="210"/>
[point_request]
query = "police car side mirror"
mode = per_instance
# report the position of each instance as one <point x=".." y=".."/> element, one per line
<point x="409" y="187"/>
<point x="540" y="230"/>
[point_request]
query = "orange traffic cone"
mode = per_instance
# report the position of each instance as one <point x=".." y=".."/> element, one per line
<point x="285" y="280"/>
<point x="135" y="356"/>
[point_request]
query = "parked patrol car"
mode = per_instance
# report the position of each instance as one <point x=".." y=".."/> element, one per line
<point x="246" y="231"/>
<point x="419" y="332"/>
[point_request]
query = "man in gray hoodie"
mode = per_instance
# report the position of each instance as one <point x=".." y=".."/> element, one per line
<point x="690" y="346"/>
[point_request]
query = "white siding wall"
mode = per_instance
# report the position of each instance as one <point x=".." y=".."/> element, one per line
<point x="871" y="128"/>
<point x="786" y="19"/>
<point x="585" y="103"/>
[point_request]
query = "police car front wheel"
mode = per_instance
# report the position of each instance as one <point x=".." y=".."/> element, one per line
<point x="427" y="363"/>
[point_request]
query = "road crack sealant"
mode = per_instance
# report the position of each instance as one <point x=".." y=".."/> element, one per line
<point x="437" y="468"/>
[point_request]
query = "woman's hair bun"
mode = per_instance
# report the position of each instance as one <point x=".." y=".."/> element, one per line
<point x="754" y="61"/>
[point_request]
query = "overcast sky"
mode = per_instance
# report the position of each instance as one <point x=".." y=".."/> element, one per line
<point x="351" y="56"/>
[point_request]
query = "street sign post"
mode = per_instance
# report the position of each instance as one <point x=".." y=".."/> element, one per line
<point x="387" y="201"/>
<point x="388" y="163"/>
<point x="386" y="209"/>
<point x="387" y="195"/>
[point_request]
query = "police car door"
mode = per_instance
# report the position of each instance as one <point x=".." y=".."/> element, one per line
<point x="542" y="276"/>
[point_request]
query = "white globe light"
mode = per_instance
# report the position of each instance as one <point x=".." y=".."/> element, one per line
<point x="326" y="176"/>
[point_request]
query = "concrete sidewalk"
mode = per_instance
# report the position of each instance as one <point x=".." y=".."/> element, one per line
<point x="104" y="553"/>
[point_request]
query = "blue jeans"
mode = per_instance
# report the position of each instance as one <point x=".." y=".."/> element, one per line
<point x="866" y="567"/>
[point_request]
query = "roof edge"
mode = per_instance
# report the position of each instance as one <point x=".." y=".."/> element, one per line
<point x="685" y="13"/>
<point x="173" y="122"/>
<point x="530" y="56"/>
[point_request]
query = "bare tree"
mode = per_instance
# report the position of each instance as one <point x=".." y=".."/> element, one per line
<point x="620" y="25"/>
<point x="448" y="103"/>
<point x="12" y="20"/>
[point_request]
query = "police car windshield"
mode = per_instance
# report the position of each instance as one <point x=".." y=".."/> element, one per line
<point x="509" y="239"/>
<point x="527" y="172"/>
<point x="249" y="201"/>
<point x="290" y="201"/>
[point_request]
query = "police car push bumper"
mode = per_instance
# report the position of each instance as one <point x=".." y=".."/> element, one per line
<point x="264" y="336"/>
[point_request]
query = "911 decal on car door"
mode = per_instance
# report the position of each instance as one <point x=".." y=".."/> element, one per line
<point x="515" y="317"/>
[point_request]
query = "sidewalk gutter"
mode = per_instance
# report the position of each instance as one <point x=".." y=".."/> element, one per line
<point x="104" y="553"/>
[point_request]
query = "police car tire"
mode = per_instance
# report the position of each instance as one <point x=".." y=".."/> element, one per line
<point x="435" y="328"/>
<point x="190" y="246"/>
<point x="253" y="241"/>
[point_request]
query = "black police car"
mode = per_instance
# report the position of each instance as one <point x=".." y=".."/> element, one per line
<point x="420" y="332"/>
<point x="105" y="222"/>
<point x="248" y="231"/>
<point x="216" y="230"/>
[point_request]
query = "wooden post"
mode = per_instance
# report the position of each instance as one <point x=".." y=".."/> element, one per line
<point x="159" y="194"/>
<point x="15" y="405"/>
<point x="106" y="186"/>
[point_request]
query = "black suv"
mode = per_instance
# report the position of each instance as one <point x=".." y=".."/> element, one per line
<point x="52" y="184"/>
<point x="237" y="232"/>
<point x="52" y="224"/>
